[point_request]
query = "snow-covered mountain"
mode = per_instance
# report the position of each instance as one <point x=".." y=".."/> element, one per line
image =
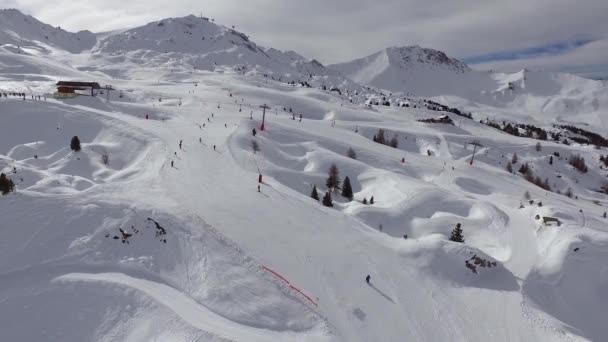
<point x="205" y="45"/>
<point x="20" y="31"/>
<point x="421" y="71"/>
<point x="544" y="96"/>
<point x="159" y="227"/>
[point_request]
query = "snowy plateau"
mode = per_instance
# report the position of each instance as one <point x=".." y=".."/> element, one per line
<point x="157" y="227"/>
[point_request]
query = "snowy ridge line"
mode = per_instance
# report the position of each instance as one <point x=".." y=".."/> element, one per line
<point x="291" y="286"/>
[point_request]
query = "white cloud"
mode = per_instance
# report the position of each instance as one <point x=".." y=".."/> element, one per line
<point x="589" y="60"/>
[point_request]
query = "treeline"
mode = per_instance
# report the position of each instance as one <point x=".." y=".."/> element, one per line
<point x="381" y="138"/>
<point x="592" y="138"/>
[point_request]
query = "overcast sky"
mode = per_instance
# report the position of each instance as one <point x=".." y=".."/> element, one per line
<point x="563" y="35"/>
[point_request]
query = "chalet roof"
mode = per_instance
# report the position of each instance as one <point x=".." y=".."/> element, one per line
<point x="93" y="85"/>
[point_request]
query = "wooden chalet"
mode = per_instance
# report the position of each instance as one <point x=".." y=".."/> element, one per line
<point x="70" y="87"/>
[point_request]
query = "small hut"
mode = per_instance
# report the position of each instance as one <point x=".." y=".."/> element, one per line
<point x="70" y="87"/>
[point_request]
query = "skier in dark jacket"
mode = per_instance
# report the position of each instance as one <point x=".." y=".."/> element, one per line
<point x="368" y="278"/>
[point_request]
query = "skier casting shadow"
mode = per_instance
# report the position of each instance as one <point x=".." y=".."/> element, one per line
<point x="369" y="282"/>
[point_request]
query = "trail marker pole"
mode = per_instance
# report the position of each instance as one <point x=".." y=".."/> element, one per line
<point x="475" y="144"/>
<point x="264" y="107"/>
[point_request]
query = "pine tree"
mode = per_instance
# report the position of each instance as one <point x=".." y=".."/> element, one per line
<point x="75" y="144"/>
<point x="327" y="200"/>
<point x="550" y="160"/>
<point x="364" y="200"/>
<point x="546" y="184"/>
<point x="524" y="169"/>
<point x="347" y="190"/>
<point x="255" y="146"/>
<point x="457" y="234"/>
<point x="538" y="147"/>
<point x="314" y="194"/>
<point x="350" y="153"/>
<point x="6" y="184"/>
<point x="333" y="181"/>
<point x="514" y="159"/>
<point x="509" y="167"/>
<point x="394" y="142"/>
<point x="527" y="195"/>
<point x="371" y="200"/>
<point x="604" y="216"/>
<point x="380" y="137"/>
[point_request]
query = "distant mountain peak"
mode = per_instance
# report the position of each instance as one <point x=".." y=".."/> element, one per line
<point x="414" y="54"/>
<point x="24" y="31"/>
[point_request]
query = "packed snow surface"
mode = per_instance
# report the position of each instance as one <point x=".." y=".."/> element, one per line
<point x="156" y="231"/>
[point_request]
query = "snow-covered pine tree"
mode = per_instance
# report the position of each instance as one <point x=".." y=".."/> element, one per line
<point x="75" y="144"/>
<point x="456" y="235"/>
<point x="314" y="194"/>
<point x="327" y="200"/>
<point x="350" y="153"/>
<point x="347" y="190"/>
<point x="333" y="181"/>
<point x="255" y="146"/>
<point x="394" y="142"/>
<point x="6" y="184"/>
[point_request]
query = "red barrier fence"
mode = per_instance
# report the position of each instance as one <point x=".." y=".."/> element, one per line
<point x="291" y="286"/>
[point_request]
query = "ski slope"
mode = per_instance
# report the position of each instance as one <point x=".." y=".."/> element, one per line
<point x="182" y="178"/>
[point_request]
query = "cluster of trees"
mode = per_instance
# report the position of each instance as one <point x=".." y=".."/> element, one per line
<point x="333" y="184"/>
<point x="578" y="162"/>
<point x="531" y="131"/>
<point x="521" y="130"/>
<point x="528" y="174"/>
<point x="431" y="105"/>
<point x="575" y="160"/>
<point x="604" y="160"/>
<point x="6" y="184"/>
<point x="592" y="138"/>
<point x="381" y="138"/>
<point x="442" y="120"/>
<point x="536" y="180"/>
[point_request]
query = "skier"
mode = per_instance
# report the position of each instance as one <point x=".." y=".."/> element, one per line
<point x="368" y="279"/>
<point x="180" y="144"/>
<point x="214" y="147"/>
<point x="200" y="140"/>
<point x="172" y="163"/>
<point x="226" y="125"/>
<point x="300" y="117"/>
<point x="258" y="187"/>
